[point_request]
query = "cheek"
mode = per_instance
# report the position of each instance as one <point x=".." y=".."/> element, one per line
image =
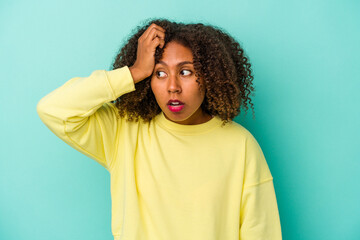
<point x="198" y="95"/>
<point x="202" y="96"/>
<point x="155" y="88"/>
<point x="153" y="85"/>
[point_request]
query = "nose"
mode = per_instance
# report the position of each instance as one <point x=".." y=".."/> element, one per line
<point x="174" y="85"/>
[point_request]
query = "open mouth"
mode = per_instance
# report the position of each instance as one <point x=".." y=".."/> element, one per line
<point x="175" y="105"/>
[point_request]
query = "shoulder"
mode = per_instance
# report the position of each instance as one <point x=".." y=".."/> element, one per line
<point x="252" y="145"/>
<point x="256" y="167"/>
<point x="237" y="131"/>
<point x="241" y="138"/>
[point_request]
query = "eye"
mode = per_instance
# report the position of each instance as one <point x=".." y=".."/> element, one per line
<point x="186" y="71"/>
<point x="157" y="73"/>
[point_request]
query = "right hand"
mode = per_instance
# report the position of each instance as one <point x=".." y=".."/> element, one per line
<point x="144" y="65"/>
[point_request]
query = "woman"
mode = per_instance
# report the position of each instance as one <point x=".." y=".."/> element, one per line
<point x="161" y="123"/>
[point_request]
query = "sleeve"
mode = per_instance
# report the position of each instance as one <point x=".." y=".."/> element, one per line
<point x="259" y="215"/>
<point x="80" y="112"/>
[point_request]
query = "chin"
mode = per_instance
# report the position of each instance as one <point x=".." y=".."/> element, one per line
<point x="176" y="116"/>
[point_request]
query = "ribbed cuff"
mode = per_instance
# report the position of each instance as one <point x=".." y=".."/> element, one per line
<point x="120" y="81"/>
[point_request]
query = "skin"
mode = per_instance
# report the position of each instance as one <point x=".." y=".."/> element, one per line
<point x="172" y="79"/>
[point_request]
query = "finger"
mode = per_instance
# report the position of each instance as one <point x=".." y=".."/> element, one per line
<point x="146" y="32"/>
<point x="159" y="28"/>
<point x="158" y="34"/>
<point x="150" y="28"/>
<point x="154" y="34"/>
<point x="161" y="40"/>
<point x="156" y="42"/>
<point x="162" y="43"/>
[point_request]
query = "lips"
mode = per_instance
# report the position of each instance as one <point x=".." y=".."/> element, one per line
<point x="175" y="105"/>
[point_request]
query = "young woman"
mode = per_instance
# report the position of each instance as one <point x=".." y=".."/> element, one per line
<point x="161" y="123"/>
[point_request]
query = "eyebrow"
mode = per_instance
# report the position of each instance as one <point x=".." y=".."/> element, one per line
<point x="179" y="64"/>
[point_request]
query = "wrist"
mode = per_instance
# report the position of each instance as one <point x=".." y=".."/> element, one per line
<point x="136" y="74"/>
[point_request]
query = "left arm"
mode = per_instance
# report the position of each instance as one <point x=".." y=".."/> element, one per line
<point x="259" y="216"/>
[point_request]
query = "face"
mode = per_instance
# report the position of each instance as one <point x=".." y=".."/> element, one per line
<point x="174" y="85"/>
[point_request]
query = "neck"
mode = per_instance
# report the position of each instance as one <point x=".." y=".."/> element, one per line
<point x="197" y="118"/>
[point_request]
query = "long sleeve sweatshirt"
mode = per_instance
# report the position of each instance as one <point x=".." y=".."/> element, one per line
<point x="168" y="181"/>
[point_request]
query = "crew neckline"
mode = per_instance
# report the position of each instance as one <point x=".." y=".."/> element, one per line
<point x="161" y="120"/>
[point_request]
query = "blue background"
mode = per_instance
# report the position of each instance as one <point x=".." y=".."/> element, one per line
<point x="305" y="57"/>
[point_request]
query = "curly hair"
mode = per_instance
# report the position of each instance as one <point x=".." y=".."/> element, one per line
<point x="217" y="58"/>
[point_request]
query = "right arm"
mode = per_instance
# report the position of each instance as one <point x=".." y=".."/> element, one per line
<point x="80" y="112"/>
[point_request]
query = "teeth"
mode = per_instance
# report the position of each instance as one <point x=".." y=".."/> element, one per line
<point x="175" y="103"/>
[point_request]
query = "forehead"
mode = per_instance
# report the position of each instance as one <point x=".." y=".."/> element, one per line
<point x="175" y="53"/>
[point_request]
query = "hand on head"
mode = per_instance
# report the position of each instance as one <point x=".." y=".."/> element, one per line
<point x="143" y="67"/>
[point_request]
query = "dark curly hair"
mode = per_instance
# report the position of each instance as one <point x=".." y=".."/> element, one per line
<point x="217" y="58"/>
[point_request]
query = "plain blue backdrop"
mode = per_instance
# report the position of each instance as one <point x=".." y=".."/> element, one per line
<point x="305" y="57"/>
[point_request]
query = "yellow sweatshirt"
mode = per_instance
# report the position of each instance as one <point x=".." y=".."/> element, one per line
<point x="168" y="181"/>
